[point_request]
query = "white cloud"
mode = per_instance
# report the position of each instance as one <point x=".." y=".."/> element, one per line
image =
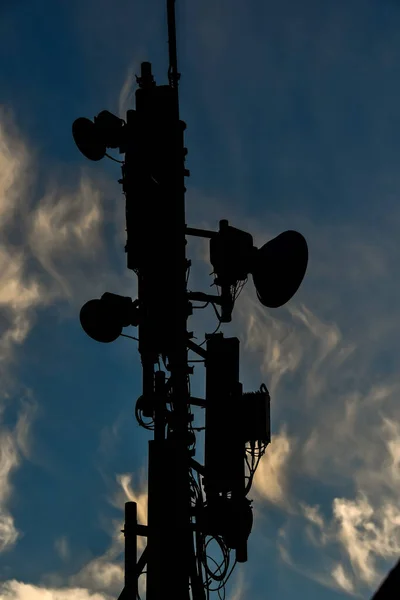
<point x="353" y="516"/>
<point x="8" y="531"/>
<point x="368" y="531"/>
<point x="239" y="587"/>
<point x="316" y="530"/>
<point x="100" y="575"/>
<point x="15" y="168"/>
<point x="66" y="226"/>
<point x="127" y="494"/>
<point x="13" y="444"/>
<point x="23" y="427"/>
<point x="62" y="547"/>
<point x="126" y="95"/>
<point x="8" y="461"/>
<point x="270" y="478"/>
<point x="18" y="293"/>
<point x="16" y="590"/>
<point x="342" y="579"/>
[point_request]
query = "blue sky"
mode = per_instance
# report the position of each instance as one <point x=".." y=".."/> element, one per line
<point x="292" y="113"/>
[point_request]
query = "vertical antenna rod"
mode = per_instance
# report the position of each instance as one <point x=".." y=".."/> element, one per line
<point x="173" y="75"/>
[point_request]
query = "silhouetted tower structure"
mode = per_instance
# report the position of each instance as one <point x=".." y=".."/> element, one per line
<point x="183" y="511"/>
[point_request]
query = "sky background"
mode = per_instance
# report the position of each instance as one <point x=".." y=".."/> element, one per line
<point x="292" y="112"/>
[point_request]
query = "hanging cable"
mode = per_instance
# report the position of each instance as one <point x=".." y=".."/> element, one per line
<point x="129" y="336"/>
<point x="114" y="159"/>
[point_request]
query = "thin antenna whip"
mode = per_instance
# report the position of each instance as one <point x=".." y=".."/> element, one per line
<point x="173" y="75"/>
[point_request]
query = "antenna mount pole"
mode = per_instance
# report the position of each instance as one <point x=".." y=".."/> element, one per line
<point x="173" y="75"/>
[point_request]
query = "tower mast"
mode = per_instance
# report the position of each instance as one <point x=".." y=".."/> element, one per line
<point x="153" y="182"/>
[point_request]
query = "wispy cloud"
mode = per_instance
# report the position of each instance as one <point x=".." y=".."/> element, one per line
<point x="14" y="444"/>
<point x="239" y="587"/>
<point x="139" y="495"/>
<point x="62" y="547"/>
<point x="270" y="479"/>
<point x="342" y="579"/>
<point x="19" y="292"/>
<point x="41" y="243"/>
<point x="65" y="226"/>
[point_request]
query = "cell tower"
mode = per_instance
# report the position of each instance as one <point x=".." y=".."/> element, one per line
<point x="187" y="502"/>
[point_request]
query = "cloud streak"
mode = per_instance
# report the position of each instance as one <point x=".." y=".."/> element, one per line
<point x="14" y="445"/>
